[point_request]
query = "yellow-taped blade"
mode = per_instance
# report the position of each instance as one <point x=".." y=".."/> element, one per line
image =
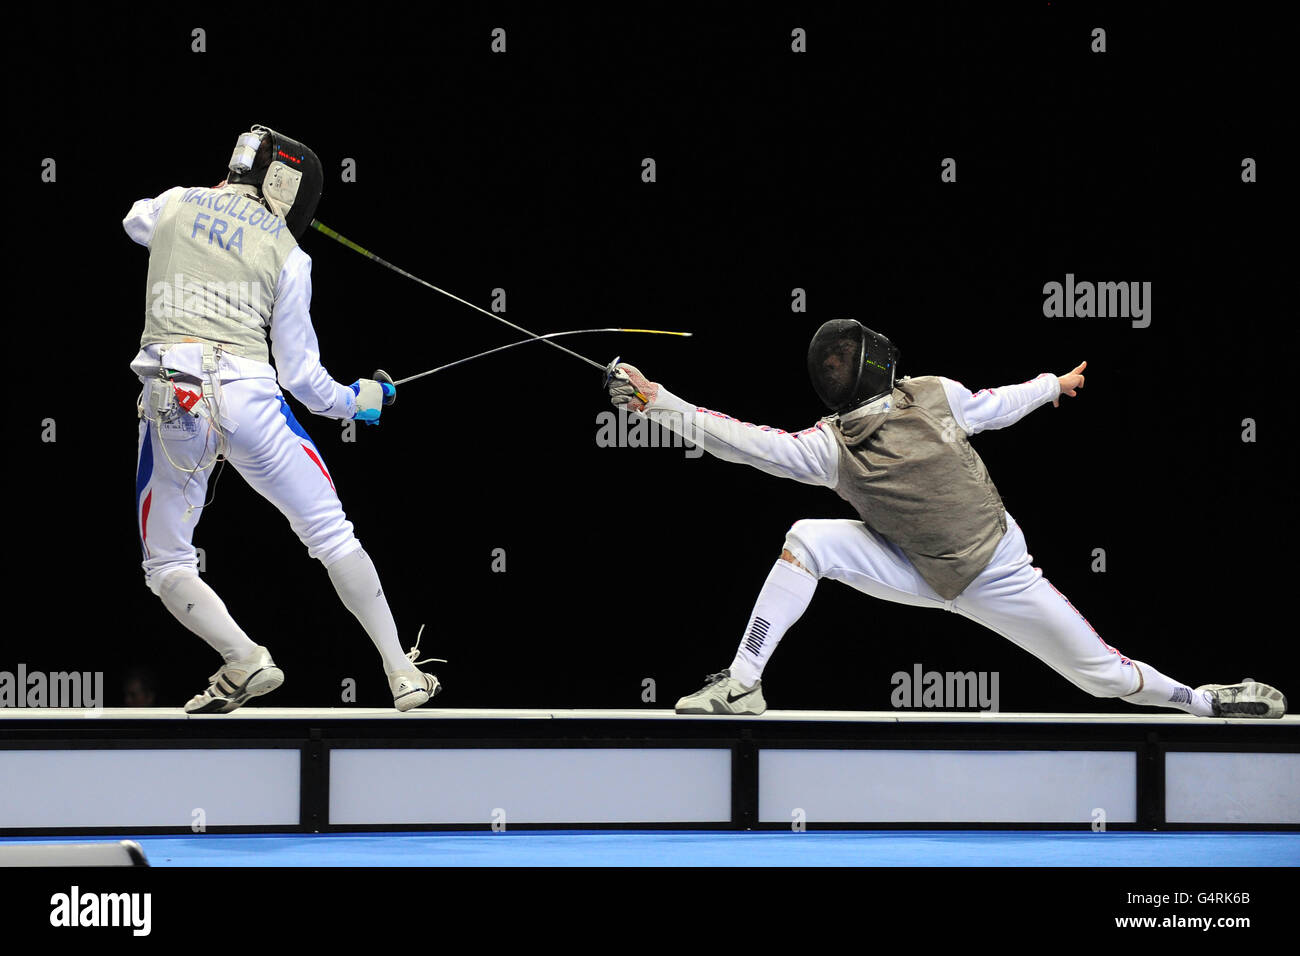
<point x="532" y="336"/>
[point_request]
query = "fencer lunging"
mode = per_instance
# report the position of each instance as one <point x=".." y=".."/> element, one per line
<point x="932" y="532"/>
<point x="226" y="274"/>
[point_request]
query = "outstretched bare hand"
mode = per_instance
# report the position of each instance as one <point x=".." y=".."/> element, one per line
<point x="1070" y="382"/>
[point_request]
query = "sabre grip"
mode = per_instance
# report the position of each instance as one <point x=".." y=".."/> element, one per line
<point x="621" y="386"/>
<point x="386" y="381"/>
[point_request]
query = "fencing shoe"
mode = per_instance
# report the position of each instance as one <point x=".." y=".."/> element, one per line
<point x="1247" y="699"/>
<point x="235" y="684"/>
<point x="723" y="694"/>
<point x="414" y="688"/>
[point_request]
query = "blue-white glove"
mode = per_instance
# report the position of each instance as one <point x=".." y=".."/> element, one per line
<point x="370" y="399"/>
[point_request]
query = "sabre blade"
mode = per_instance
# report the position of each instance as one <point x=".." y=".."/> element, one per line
<point x="540" y="338"/>
<point x="321" y="227"/>
<point x="607" y="369"/>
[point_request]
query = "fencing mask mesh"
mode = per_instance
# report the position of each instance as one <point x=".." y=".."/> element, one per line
<point x="288" y="174"/>
<point x="850" y="365"/>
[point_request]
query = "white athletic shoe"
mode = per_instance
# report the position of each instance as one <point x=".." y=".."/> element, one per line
<point x="723" y="694"/>
<point x="1247" y="699"/>
<point x="414" y="688"/>
<point x="235" y="684"/>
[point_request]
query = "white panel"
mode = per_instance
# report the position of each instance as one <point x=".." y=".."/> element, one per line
<point x="532" y="785"/>
<point x="148" y="788"/>
<point x="69" y="854"/>
<point x="946" y="786"/>
<point x="1232" y="787"/>
<point x="66" y="716"/>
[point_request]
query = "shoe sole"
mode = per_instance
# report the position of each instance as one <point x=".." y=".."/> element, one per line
<point x="717" y="709"/>
<point x="1249" y="708"/>
<point x="403" y="704"/>
<point x="216" y="706"/>
<point x="261" y="682"/>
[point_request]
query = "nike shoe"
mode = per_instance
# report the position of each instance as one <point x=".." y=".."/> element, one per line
<point x="235" y="684"/>
<point x="723" y="694"/>
<point x="1247" y="699"/>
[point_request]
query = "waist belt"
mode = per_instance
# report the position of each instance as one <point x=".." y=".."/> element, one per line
<point x="209" y="381"/>
<point x="227" y="347"/>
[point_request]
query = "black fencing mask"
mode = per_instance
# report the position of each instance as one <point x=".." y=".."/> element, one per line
<point x="288" y="174"/>
<point x="850" y="365"/>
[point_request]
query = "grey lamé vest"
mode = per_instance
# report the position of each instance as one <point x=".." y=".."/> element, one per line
<point x="214" y="263"/>
<point x="913" y="477"/>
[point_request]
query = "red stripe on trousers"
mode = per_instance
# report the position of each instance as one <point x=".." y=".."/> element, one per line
<point x="1122" y="658"/>
<point x="144" y="522"/>
<point x="319" y="464"/>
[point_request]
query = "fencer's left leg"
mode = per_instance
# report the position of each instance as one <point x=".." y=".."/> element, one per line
<point x="1012" y="598"/>
<point x="174" y="459"/>
<point x="280" y="461"/>
<point x="176" y="451"/>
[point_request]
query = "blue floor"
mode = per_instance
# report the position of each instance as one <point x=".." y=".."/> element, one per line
<point x="711" y="848"/>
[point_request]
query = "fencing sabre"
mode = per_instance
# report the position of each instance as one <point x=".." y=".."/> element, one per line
<point x="382" y="376"/>
<point x="510" y="345"/>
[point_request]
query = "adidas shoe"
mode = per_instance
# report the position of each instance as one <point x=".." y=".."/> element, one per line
<point x="1247" y="699"/>
<point x="414" y="688"/>
<point x="235" y="684"/>
<point x="723" y="694"/>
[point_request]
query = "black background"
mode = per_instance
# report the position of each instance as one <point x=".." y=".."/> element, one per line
<point x="775" y="170"/>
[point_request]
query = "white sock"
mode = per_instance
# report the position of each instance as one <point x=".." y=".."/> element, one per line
<point x="357" y="582"/>
<point x="784" y="598"/>
<point x="197" y="606"/>
<point x="1160" y="691"/>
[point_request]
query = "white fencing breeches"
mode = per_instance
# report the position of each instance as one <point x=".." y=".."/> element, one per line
<point x="1010" y="597"/>
<point x="264" y="443"/>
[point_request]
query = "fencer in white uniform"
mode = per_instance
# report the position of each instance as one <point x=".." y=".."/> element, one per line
<point x="933" y="532"/>
<point x="226" y="274"/>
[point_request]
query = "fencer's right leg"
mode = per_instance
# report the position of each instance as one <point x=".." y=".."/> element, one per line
<point x="357" y="583"/>
<point x="842" y="550"/>
<point x="785" y="596"/>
